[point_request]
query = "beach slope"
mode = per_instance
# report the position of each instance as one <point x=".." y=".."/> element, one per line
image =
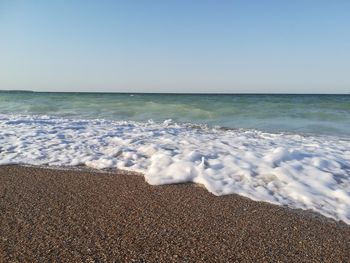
<point x="73" y="216"/>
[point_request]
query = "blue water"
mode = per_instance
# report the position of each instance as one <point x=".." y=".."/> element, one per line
<point x="305" y="114"/>
<point x="279" y="165"/>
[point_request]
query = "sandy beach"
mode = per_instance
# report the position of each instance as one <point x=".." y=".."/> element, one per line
<point x="51" y="215"/>
<point x="174" y="131"/>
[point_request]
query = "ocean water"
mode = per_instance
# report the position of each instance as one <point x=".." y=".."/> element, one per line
<point x="314" y="114"/>
<point x="289" y="150"/>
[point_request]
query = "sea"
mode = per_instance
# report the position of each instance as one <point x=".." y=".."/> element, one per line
<point x="286" y="149"/>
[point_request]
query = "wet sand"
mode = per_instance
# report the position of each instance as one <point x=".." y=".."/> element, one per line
<point x="51" y="215"/>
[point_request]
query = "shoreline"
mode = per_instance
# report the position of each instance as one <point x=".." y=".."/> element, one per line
<point x="117" y="171"/>
<point x="123" y="172"/>
<point x="50" y="214"/>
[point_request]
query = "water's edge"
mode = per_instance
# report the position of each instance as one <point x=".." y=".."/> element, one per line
<point x="84" y="169"/>
<point x="307" y="172"/>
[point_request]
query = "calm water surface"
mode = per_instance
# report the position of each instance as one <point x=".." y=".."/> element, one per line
<point x="315" y="114"/>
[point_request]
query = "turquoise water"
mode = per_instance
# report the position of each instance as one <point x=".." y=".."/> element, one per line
<point x="315" y="114"/>
<point x="276" y="149"/>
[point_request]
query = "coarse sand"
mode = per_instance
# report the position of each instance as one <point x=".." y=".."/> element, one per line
<point x="50" y="215"/>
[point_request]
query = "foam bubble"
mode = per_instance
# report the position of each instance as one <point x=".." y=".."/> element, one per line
<point x="308" y="172"/>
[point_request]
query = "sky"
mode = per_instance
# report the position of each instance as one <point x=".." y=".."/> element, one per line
<point x="270" y="46"/>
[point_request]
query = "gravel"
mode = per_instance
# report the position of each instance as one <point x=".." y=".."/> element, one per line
<point x="49" y="215"/>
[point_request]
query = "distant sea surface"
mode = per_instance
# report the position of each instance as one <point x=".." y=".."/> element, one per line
<point x="315" y="114"/>
<point x="289" y="150"/>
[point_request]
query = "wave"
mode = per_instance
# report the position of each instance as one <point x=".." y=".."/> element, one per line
<point x="307" y="172"/>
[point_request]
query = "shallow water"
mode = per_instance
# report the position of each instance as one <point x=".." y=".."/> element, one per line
<point x="315" y="114"/>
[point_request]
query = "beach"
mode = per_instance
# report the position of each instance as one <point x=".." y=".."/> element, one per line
<point x="174" y="131"/>
<point x="50" y="215"/>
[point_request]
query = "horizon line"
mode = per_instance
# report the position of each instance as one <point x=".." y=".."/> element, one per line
<point x="176" y="93"/>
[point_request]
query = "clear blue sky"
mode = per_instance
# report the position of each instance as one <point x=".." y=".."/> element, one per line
<point x="176" y="46"/>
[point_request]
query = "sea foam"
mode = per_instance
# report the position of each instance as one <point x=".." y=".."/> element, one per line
<point x="307" y="172"/>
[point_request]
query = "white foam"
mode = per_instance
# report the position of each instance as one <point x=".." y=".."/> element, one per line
<point x="299" y="171"/>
